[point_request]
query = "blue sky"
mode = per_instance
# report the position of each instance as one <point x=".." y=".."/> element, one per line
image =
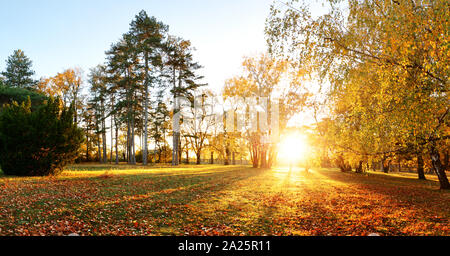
<point x="59" y="34"/>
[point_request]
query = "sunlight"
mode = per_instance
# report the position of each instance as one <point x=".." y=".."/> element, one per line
<point x="293" y="148"/>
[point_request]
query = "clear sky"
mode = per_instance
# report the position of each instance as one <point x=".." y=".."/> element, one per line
<point x="59" y="34"/>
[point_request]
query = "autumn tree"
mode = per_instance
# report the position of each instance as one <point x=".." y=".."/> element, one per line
<point x="198" y="119"/>
<point x="67" y="85"/>
<point x="396" y="50"/>
<point x="265" y="82"/>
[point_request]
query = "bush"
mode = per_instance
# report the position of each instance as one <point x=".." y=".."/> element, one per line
<point x="39" y="142"/>
<point x="11" y="94"/>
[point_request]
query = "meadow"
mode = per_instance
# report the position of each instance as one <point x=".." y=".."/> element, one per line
<point x="91" y="199"/>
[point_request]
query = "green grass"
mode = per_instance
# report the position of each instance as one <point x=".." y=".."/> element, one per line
<point x="93" y="199"/>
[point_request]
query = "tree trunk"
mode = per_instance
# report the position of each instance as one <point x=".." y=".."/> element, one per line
<point x="175" y="149"/>
<point x="112" y="142"/>
<point x="359" y="168"/>
<point x="175" y="110"/>
<point x="179" y="149"/>
<point x="254" y="156"/>
<point x="187" y="156"/>
<point x="105" y="154"/>
<point x="446" y="160"/>
<point x="159" y="156"/>
<point x="198" y="154"/>
<point x="227" y="156"/>
<point x="234" y="158"/>
<point x="439" y="168"/>
<point x="420" y="170"/>
<point x="384" y="167"/>
<point x="117" y="146"/>
<point x="263" y="158"/>
<point x="255" y="161"/>
<point x="212" y="157"/>
<point x="144" y="154"/>
<point x="128" y="142"/>
<point x="133" y="149"/>
<point x="87" y="145"/>
<point x="99" y="147"/>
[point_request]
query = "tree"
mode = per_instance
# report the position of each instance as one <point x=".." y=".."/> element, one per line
<point x="10" y="94"/>
<point x="198" y="121"/>
<point x="144" y="59"/>
<point x="398" y="48"/>
<point x="148" y="34"/>
<point x="19" y="71"/>
<point x="67" y="85"/>
<point x="223" y="137"/>
<point x="123" y="65"/>
<point x="88" y="120"/>
<point x="160" y="116"/>
<point x="265" y="76"/>
<point x="183" y="77"/>
<point x="38" y="143"/>
<point x="97" y="104"/>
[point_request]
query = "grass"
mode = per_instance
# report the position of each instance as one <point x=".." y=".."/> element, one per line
<point x="221" y="200"/>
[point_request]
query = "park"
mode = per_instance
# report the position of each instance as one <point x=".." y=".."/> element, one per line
<point x="274" y="118"/>
<point x="221" y="200"/>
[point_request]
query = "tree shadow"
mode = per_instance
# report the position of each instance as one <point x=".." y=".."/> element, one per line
<point x="419" y="194"/>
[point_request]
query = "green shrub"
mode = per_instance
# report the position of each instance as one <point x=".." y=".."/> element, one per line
<point x="39" y="142"/>
<point x="10" y="94"/>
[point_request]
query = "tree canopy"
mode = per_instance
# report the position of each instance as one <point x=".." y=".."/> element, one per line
<point x="19" y="71"/>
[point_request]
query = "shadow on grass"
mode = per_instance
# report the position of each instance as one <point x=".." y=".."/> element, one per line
<point x="124" y="166"/>
<point x="377" y="178"/>
<point x="419" y="194"/>
<point x="152" y="195"/>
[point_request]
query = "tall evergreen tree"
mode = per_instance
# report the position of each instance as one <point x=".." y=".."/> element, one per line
<point x="97" y="104"/>
<point x="147" y="34"/>
<point x="184" y="80"/>
<point x="123" y="64"/>
<point x="18" y="70"/>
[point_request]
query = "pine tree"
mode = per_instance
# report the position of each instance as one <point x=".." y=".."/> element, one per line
<point x="97" y="103"/>
<point x="184" y="79"/>
<point x="160" y="124"/>
<point x="18" y="71"/>
<point x="123" y="65"/>
<point x="147" y="34"/>
<point x="40" y="142"/>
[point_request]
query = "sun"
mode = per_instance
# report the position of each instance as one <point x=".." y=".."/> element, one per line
<point x="293" y="148"/>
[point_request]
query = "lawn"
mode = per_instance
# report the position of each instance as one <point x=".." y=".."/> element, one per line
<point x="221" y="200"/>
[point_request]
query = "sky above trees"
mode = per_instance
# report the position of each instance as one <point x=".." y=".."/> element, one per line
<point x="61" y="34"/>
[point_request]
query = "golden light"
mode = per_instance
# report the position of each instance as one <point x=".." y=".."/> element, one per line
<point x="293" y="148"/>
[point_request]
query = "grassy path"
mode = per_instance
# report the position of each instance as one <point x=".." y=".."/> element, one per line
<point x="219" y="200"/>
